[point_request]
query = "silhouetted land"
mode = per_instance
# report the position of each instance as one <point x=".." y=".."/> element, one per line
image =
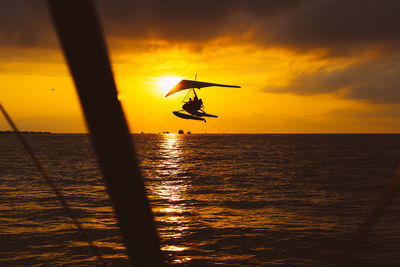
<point x="24" y="132"/>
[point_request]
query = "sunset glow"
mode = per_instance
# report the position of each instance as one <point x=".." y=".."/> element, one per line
<point x="199" y="133"/>
<point x="167" y="83"/>
<point x="314" y="82"/>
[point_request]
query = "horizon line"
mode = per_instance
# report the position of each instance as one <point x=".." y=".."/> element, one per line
<point x="176" y="132"/>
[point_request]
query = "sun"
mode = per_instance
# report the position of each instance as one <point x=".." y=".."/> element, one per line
<point x="167" y="83"/>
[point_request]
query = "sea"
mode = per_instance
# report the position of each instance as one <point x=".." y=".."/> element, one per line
<point x="218" y="199"/>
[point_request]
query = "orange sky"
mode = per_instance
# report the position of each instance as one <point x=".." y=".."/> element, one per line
<point x="293" y="79"/>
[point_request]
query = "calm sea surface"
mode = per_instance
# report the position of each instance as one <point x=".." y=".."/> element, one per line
<point x="231" y="200"/>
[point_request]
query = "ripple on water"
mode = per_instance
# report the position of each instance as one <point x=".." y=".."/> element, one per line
<point x="251" y="200"/>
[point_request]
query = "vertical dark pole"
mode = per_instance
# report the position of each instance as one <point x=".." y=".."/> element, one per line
<point x="80" y="34"/>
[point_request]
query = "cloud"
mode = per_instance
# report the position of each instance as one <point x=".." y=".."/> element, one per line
<point x="336" y="25"/>
<point x="186" y="21"/>
<point x="25" y="23"/>
<point x="375" y="80"/>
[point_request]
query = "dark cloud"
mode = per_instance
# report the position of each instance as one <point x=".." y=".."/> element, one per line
<point x="296" y="24"/>
<point x="337" y="25"/>
<point x="25" y="23"/>
<point x="375" y="80"/>
<point x="187" y="21"/>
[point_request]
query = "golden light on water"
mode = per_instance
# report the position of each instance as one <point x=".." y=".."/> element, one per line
<point x="167" y="83"/>
<point x="173" y="193"/>
<point x="170" y="143"/>
<point x="173" y="248"/>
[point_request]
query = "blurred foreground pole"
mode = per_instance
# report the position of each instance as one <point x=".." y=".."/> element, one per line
<point x="80" y="35"/>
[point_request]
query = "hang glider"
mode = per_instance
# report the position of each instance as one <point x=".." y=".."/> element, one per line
<point x="189" y="84"/>
<point x="193" y="109"/>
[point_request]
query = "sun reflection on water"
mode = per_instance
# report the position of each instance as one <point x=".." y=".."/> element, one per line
<point x="173" y="248"/>
<point x="170" y="190"/>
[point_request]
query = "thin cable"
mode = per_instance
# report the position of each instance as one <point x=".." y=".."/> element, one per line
<point x="186" y="96"/>
<point x="53" y="186"/>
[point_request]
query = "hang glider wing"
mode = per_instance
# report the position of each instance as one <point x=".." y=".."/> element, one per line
<point x="187" y="84"/>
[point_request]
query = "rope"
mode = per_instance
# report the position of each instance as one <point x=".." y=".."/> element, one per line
<point x="53" y="186"/>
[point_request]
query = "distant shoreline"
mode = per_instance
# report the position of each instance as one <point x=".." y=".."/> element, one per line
<point x="24" y="132"/>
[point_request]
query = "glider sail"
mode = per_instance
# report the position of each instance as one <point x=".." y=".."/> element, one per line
<point x="188" y="84"/>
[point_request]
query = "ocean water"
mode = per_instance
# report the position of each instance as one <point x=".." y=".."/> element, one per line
<point x="228" y="200"/>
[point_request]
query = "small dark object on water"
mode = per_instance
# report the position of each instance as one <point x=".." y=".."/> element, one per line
<point x="181" y="132"/>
